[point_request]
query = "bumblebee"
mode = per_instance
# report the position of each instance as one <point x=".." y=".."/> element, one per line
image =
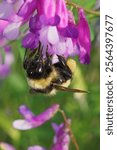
<point x="43" y="76"/>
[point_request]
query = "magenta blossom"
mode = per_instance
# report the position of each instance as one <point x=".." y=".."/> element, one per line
<point x="51" y="23"/>
<point x="32" y="121"/>
<point x="54" y="26"/>
<point x="10" y="22"/>
<point x="6" y="146"/>
<point x="46" y="26"/>
<point x="61" y="138"/>
<point x="84" y="41"/>
<point x="5" y="64"/>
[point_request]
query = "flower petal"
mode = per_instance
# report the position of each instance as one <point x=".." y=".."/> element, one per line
<point x="27" y="9"/>
<point x="34" y="24"/>
<point x="54" y="21"/>
<point x="25" y="112"/>
<point x="69" y="48"/>
<point x="34" y="121"/>
<point x="61" y="11"/>
<point x="22" y="124"/>
<point x="46" y="115"/>
<point x="3" y="41"/>
<point x="84" y="57"/>
<point x="3" y="25"/>
<point x="52" y="35"/>
<point x="11" y="32"/>
<point x="6" y="10"/>
<point x="30" y="41"/>
<point x="61" y="138"/>
<point x="84" y="38"/>
<point x="71" y="18"/>
<point x="47" y="8"/>
<point x="70" y="31"/>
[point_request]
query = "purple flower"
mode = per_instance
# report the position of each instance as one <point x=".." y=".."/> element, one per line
<point x="5" y="63"/>
<point x="32" y="121"/>
<point x="6" y="146"/>
<point x="84" y="40"/>
<point x="27" y="8"/>
<point x="54" y="26"/>
<point x="51" y="23"/>
<point x="30" y="41"/>
<point x="10" y="22"/>
<point x="61" y="138"/>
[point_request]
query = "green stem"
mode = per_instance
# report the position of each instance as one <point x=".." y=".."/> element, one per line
<point x="97" y="13"/>
<point x="70" y="130"/>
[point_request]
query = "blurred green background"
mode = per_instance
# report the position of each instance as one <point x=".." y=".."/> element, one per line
<point x="83" y="109"/>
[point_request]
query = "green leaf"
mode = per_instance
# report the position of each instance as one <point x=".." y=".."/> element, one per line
<point x="6" y="125"/>
<point x="85" y="3"/>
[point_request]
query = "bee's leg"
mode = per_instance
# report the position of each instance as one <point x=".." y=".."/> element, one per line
<point x="65" y="70"/>
<point x="47" y="65"/>
<point x="38" y="60"/>
<point x="32" y="91"/>
<point x="45" y="91"/>
<point x="62" y="61"/>
<point x="40" y="48"/>
<point x="48" y="61"/>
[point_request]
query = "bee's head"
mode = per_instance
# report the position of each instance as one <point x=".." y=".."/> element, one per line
<point x="36" y="66"/>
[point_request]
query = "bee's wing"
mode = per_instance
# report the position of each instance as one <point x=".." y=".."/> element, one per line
<point x="62" y="88"/>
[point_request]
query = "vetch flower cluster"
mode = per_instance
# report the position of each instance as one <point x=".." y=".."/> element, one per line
<point x="51" y="23"/>
<point x="61" y="139"/>
<point x="32" y="121"/>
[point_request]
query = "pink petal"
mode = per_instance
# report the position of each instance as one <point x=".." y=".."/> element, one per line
<point x="71" y="18"/>
<point x="22" y="124"/>
<point x="33" y="122"/>
<point x="6" y="10"/>
<point x="3" y="25"/>
<point x="61" y="11"/>
<point x="3" y="42"/>
<point x="69" y="47"/>
<point x="84" y="38"/>
<point x="46" y="7"/>
<point x="27" y="9"/>
<point x="26" y="113"/>
<point x="11" y="32"/>
<point x="46" y="115"/>
<point x="52" y="35"/>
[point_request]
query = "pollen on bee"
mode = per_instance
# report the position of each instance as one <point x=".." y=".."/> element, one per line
<point x="72" y="64"/>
